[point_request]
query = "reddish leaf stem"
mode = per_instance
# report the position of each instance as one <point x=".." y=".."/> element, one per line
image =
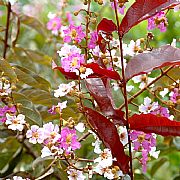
<point x="7" y="30"/>
<point x="125" y="91"/>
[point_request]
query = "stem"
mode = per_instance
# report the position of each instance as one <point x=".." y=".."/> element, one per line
<point x="125" y="91"/>
<point x="7" y="29"/>
<point x="142" y="90"/>
<point x="87" y="29"/>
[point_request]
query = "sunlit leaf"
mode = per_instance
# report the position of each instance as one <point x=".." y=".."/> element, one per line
<point x="146" y="62"/>
<point x="150" y="123"/>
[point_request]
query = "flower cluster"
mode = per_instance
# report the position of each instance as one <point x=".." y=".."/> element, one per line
<point x="105" y="165"/>
<point x="159" y="21"/>
<point x="54" y="141"/>
<point x="4" y="110"/>
<point x="5" y="88"/>
<point x="146" y="143"/>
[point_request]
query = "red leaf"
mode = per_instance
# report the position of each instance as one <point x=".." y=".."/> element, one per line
<point x="150" y="123"/>
<point x="107" y="132"/>
<point x="143" y="9"/>
<point x="146" y="62"/>
<point x="106" y="25"/>
<point x="102" y="72"/>
<point x="68" y="75"/>
<point x="98" y="72"/>
<point x="99" y="92"/>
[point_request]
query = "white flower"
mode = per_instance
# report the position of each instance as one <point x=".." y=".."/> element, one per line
<point x="51" y="15"/>
<point x="64" y="89"/>
<point x="164" y="92"/>
<point x="97" y="145"/>
<point x="129" y="88"/>
<point x="62" y="105"/>
<point x="85" y="74"/>
<point x="154" y="153"/>
<point x="5" y="89"/>
<point x="75" y="175"/>
<point x="115" y="86"/>
<point x="15" y="123"/>
<point x="45" y="152"/>
<point x="80" y="127"/>
<point x="143" y="79"/>
<point x="147" y="107"/>
<point x="123" y="135"/>
<point x="105" y="158"/>
<point x="12" y="1"/>
<point x="35" y="134"/>
<point x="67" y="50"/>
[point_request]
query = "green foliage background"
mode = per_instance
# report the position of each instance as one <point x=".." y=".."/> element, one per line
<point x="32" y="57"/>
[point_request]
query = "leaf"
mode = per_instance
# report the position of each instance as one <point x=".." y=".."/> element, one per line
<point x="143" y="9"/>
<point x="150" y="123"/>
<point x="32" y="79"/>
<point x="98" y="72"/>
<point x="157" y="58"/>
<point x="106" y="25"/>
<point x="157" y="165"/>
<point x="7" y="69"/>
<point x="32" y="115"/>
<point x="98" y="91"/>
<point x="34" y="56"/>
<point x="107" y="132"/>
<point x="33" y="23"/>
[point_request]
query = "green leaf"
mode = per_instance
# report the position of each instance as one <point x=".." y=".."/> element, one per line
<point x="32" y="115"/>
<point x="33" y="23"/>
<point x="32" y="79"/>
<point x="12" y="162"/>
<point x="22" y="99"/>
<point x="8" y="70"/>
<point x="34" y="56"/>
<point x="41" y="97"/>
<point x="157" y="165"/>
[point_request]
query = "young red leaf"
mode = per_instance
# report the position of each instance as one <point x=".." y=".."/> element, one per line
<point x="150" y="123"/>
<point x="157" y="58"/>
<point x="106" y="25"/>
<point x="143" y="9"/>
<point x="98" y="72"/>
<point x="102" y="72"/>
<point x="98" y="91"/>
<point x="107" y="132"/>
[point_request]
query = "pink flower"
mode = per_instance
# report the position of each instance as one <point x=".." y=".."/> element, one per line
<point x="174" y="95"/>
<point x="92" y="43"/>
<point x="120" y="9"/>
<point x="68" y="140"/>
<point x="72" y="62"/>
<point x="58" y="108"/>
<point x="4" y="110"/>
<point x="74" y="33"/>
<point x="54" y="24"/>
<point x="159" y="21"/>
<point x="161" y="111"/>
<point x="51" y="133"/>
<point x="35" y="134"/>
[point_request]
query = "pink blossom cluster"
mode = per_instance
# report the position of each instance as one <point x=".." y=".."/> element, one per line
<point x="145" y="143"/>
<point x="120" y="9"/>
<point x="175" y="95"/>
<point x="73" y="33"/>
<point x="54" y="23"/>
<point x="4" y="110"/>
<point x="54" y="141"/>
<point x="159" y="21"/>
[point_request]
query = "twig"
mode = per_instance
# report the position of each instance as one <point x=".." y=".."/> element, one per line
<point x="7" y="30"/>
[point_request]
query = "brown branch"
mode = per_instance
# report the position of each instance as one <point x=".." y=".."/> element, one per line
<point x="7" y="29"/>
